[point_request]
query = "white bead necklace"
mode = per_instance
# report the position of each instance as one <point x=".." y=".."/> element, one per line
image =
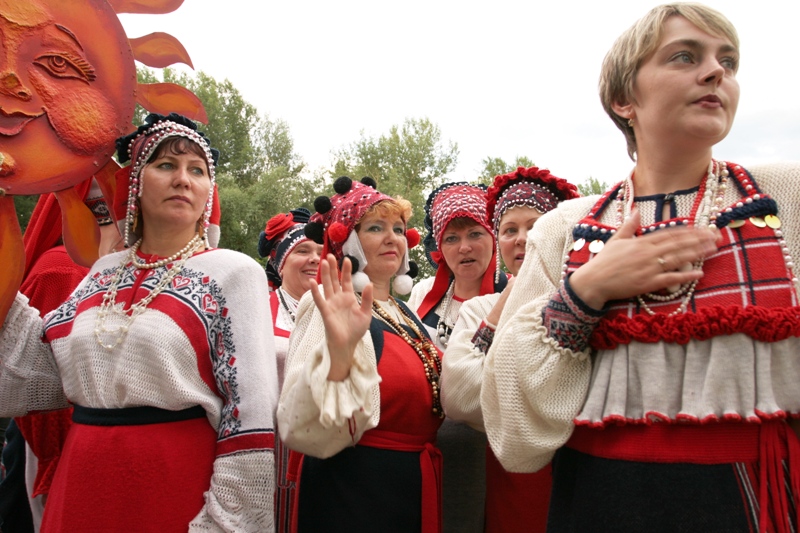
<point x="443" y="329"/>
<point x="109" y="310"/>
<point x="705" y="216"/>
<point x="191" y="245"/>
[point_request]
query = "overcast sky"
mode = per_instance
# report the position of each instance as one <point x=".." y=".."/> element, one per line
<point x="500" y="79"/>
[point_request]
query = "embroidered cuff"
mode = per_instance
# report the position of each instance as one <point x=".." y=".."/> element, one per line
<point x="569" y="320"/>
<point x="483" y="337"/>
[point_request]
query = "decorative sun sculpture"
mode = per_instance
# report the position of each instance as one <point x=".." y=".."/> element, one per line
<point x="68" y="89"/>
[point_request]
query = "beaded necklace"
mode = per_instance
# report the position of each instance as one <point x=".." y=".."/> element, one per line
<point x="282" y="297"/>
<point x="705" y="217"/>
<point x="109" y="308"/>
<point x="443" y="329"/>
<point x="423" y="346"/>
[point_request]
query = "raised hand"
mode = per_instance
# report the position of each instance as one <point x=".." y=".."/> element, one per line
<point x="628" y="266"/>
<point x="345" y="319"/>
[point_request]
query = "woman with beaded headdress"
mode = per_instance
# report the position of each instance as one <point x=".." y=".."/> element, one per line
<point x="361" y="395"/>
<point x="162" y="352"/>
<point x="514" y="502"/>
<point x="460" y="244"/>
<point x="292" y="266"/>
<point x="652" y="346"/>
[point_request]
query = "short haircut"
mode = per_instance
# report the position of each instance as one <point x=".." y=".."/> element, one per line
<point x="638" y="43"/>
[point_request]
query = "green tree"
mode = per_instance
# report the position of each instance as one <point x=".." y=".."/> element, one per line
<point x="592" y="186"/>
<point x="496" y="166"/>
<point x="410" y="161"/>
<point x="24" y="206"/>
<point x="258" y="174"/>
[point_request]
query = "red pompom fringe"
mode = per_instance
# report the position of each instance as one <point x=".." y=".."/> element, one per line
<point x="759" y="323"/>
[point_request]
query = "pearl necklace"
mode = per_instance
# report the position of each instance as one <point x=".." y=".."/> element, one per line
<point x="425" y="349"/>
<point x="110" y="310"/>
<point x="705" y="216"/>
<point x="443" y="329"/>
<point x="191" y="245"/>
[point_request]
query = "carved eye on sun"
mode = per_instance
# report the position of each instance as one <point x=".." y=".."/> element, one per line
<point x="69" y="90"/>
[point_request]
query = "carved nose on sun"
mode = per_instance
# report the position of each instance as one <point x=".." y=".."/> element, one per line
<point x="11" y="85"/>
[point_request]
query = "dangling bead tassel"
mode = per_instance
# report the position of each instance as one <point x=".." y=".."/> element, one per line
<point x="497" y="267"/>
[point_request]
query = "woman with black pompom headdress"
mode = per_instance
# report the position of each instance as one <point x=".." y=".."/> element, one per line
<point x="292" y="265"/>
<point x="361" y="394"/>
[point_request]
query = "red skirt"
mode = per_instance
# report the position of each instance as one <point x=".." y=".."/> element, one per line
<point x="143" y="478"/>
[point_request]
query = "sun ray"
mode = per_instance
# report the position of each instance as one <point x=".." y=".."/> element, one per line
<point x="145" y="7"/>
<point x="159" y="50"/>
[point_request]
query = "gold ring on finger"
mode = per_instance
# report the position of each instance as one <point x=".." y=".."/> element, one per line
<point x="663" y="263"/>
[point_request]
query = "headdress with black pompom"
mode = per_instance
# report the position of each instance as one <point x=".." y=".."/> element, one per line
<point x="282" y="233"/>
<point x="335" y="219"/>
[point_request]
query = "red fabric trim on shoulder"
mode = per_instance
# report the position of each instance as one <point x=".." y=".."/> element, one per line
<point x="758" y="323"/>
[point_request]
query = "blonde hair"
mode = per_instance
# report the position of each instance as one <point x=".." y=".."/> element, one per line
<point x="638" y="42"/>
<point x="389" y="208"/>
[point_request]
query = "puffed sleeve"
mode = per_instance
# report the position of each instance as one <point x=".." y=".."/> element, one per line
<point x="29" y="378"/>
<point x="316" y="416"/>
<point x="534" y="385"/>
<point x="462" y="364"/>
<point x="241" y="492"/>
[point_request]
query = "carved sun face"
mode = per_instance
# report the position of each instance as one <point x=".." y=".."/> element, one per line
<point x="67" y="86"/>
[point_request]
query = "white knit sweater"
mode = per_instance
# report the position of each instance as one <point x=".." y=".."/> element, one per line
<point x="462" y="364"/>
<point x="534" y="391"/>
<point x="205" y="340"/>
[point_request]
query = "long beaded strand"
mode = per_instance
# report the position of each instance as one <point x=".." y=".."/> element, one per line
<point x="109" y="306"/>
<point x="425" y="349"/>
<point x="705" y="216"/>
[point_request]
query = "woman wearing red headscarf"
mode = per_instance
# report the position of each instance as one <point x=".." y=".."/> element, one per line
<point x="461" y="245"/>
<point x="514" y="502"/>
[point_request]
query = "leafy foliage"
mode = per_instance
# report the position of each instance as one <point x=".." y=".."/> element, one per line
<point x="258" y="174"/>
<point x="592" y="186"/>
<point x="496" y="166"/>
<point x="24" y="206"/>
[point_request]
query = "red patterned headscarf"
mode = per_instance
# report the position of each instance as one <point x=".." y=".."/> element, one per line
<point x="450" y="201"/>
<point x="532" y="187"/>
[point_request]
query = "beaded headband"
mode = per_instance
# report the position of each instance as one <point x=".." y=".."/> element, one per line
<point x="531" y="187"/>
<point x="139" y="146"/>
<point x="449" y="201"/>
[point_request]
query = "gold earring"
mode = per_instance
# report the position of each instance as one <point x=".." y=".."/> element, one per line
<point x="630" y="122"/>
